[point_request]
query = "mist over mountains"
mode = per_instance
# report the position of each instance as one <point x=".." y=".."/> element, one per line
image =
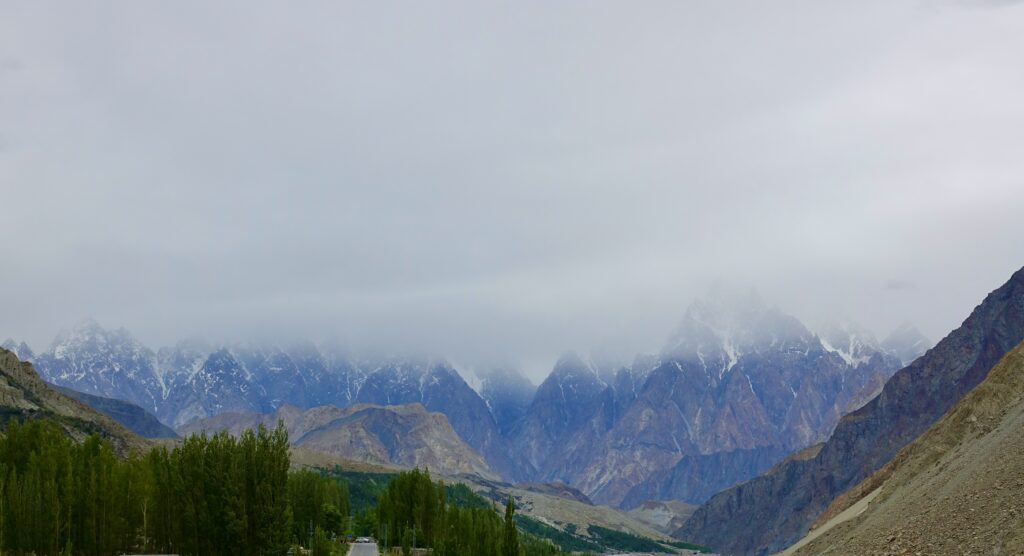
<point x="738" y="386"/>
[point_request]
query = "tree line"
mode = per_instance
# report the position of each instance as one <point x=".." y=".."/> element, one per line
<point x="224" y="495"/>
<point x="415" y="511"/>
<point x="208" y="495"/>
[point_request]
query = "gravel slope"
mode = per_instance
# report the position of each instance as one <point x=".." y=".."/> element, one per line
<point x="957" y="489"/>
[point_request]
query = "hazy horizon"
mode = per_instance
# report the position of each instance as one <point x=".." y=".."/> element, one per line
<point x="503" y="183"/>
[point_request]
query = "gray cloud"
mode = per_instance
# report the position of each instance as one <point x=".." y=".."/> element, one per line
<point x="899" y="285"/>
<point x="502" y="182"/>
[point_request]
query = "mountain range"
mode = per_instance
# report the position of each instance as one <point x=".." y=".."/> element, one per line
<point x="738" y="387"/>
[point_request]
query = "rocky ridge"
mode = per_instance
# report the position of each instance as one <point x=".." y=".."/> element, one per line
<point x="776" y="509"/>
<point x="955" y="489"/>
<point x="403" y="435"/>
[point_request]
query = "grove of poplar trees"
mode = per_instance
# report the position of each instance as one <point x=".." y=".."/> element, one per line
<point x="415" y="511"/>
<point x="209" y="495"/>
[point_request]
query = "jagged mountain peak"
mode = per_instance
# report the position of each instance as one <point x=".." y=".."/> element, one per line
<point x="850" y="340"/>
<point x="717" y="330"/>
<point x="89" y="334"/>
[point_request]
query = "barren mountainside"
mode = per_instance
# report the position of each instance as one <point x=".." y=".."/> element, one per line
<point x="403" y="435"/>
<point x="775" y="510"/>
<point x="958" y="488"/>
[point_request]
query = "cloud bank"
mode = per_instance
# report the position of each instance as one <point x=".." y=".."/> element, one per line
<point x="502" y="182"/>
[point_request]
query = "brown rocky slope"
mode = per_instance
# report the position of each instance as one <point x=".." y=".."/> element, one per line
<point x="958" y="488"/>
<point x="403" y="435"/>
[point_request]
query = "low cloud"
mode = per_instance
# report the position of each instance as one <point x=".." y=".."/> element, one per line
<point x="502" y="182"/>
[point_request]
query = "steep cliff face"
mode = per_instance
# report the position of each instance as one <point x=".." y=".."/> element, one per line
<point x="24" y="395"/>
<point x="571" y="411"/>
<point x="774" y="510"/>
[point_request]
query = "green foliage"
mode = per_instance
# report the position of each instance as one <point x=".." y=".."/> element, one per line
<point x="317" y="502"/>
<point x="322" y="544"/>
<point x="363" y="488"/>
<point x="452" y="520"/>
<point x="510" y="535"/>
<point x="462" y="496"/>
<point x="565" y="541"/>
<point x="224" y="495"/>
<point x="210" y="495"/>
<point x="619" y="540"/>
<point x="536" y="546"/>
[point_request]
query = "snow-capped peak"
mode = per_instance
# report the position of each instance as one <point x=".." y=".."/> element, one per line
<point x="850" y="341"/>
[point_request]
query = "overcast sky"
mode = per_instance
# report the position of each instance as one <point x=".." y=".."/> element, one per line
<point x="503" y="182"/>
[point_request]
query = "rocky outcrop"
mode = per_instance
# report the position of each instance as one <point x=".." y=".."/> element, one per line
<point x="24" y="395"/>
<point x="403" y="435"/>
<point x="774" y="510"/>
<point x="438" y="387"/>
